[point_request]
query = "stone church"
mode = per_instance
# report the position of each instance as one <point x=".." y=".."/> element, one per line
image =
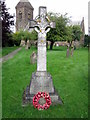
<point x="24" y="13"/>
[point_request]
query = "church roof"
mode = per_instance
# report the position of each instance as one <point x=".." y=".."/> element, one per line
<point x="24" y="3"/>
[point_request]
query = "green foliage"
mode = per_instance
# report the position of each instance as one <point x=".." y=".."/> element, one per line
<point x="7" y="20"/>
<point x="76" y="32"/>
<point x="58" y="33"/>
<point x="63" y="32"/>
<point x="69" y="34"/>
<point x="23" y="35"/>
<point x="17" y="37"/>
<point x="10" y="41"/>
<point x="33" y="35"/>
<point x="70" y="78"/>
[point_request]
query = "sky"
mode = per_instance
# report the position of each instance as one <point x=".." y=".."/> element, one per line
<point x="76" y="9"/>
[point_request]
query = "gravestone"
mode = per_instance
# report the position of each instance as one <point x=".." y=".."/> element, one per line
<point x="33" y="58"/>
<point x="22" y="43"/>
<point x="28" y="45"/>
<point x="72" y="50"/>
<point x="41" y="80"/>
<point x="68" y="51"/>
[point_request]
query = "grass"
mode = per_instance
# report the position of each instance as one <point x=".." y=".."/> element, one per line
<point x="70" y="78"/>
<point x="7" y="50"/>
<point x="0" y="91"/>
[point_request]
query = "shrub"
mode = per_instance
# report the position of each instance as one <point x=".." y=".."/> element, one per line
<point x="23" y="35"/>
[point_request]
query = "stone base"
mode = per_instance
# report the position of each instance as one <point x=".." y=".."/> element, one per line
<point x="41" y="82"/>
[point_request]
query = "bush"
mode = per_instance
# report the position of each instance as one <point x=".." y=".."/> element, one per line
<point x="23" y="35"/>
<point x="8" y="41"/>
<point x="16" y="38"/>
<point x="33" y="35"/>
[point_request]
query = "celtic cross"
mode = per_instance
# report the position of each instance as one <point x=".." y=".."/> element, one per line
<point x="42" y="25"/>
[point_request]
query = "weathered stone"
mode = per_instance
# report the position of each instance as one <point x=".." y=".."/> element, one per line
<point x="24" y="13"/>
<point x="55" y="99"/>
<point x="28" y="45"/>
<point x="61" y="43"/>
<point x="22" y="43"/>
<point x="41" y="81"/>
<point x="33" y="58"/>
<point x="68" y="51"/>
<point x="72" y="50"/>
<point x="42" y="101"/>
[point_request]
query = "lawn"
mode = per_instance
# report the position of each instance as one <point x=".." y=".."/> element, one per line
<point x="7" y="50"/>
<point x="70" y="78"/>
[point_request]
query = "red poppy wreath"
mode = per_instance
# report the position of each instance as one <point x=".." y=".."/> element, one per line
<point x="42" y="101"/>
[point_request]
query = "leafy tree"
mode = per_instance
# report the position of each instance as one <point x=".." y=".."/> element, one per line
<point x="68" y="38"/>
<point x="63" y="32"/>
<point x="73" y="33"/>
<point x="69" y="35"/>
<point x="23" y="35"/>
<point x="33" y="35"/>
<point x="7" y="20"/>
<point x="17" y="38"/>
<point x="60" y="32"/>
<point x="76" y="32"/>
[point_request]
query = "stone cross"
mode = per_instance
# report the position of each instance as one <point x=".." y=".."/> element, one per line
<point x="42" y="25"/>
<point x="41" y="80"/>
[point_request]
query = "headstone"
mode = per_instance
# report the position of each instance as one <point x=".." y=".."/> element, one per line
<point x="72" y="49"/>
<point x="41" y="80"/>
<point x="68" y="51"/>
<point x="22" y="43"/>
<point x="33" y="58"/>
<point x="28" y="44"/>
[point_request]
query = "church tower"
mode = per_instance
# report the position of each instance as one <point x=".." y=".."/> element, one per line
<point x="24" y="13"/>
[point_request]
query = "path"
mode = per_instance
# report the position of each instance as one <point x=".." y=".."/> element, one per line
<point x="10" y="55"/>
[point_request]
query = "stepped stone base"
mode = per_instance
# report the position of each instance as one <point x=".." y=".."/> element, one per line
<point x="41" y="82"/>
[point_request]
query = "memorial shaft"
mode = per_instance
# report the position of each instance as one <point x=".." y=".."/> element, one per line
<point x="42" y="25"/>
<point x="41" y="54"/>
<point x="41" y="80"/>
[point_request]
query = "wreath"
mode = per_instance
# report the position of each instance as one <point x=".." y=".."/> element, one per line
<point x="46" y="99"/>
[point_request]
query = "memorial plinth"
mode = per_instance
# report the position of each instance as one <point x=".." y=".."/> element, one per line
<point x="41" y="80"/>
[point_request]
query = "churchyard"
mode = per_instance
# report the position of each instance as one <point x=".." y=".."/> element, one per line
<point x="38" y="82"/>
<point x="70" y="78"/>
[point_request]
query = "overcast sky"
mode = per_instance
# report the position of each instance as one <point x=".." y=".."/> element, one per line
<point x="75" y="8"/>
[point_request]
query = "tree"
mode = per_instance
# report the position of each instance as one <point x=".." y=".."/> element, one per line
<point x="33" y="35"/>
<point x="68" y="38"/>
<point x="17" y="37"/>
<point x="60" y="32"/>
<point x="23" y="35"/>
<point x="7" y="20"/>
<point x="73" y="33"/>
<point x="76" y="32"/>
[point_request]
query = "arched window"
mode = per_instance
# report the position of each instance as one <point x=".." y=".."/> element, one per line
<point x="20" y="15"/>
